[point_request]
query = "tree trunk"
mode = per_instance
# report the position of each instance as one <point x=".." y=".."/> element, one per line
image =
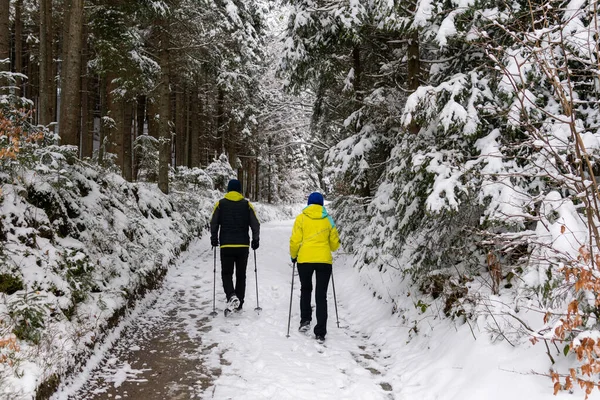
<point x="357" y="74"/>
<point x="195" y="129"/>
<point x="87" y="117"/>
<point x="115" y="104"/>
<point x="71" y="77"/>
<point x="104" y="129"/>
<point x="221" y="120"/>
<point x="256" y="184"/>
<point x="141" y="118"/>
<point x="46" y="105"/>
<point x="127" y="141"/>
<point x="179" y="126"/>
<point x="164" y="152"/>
<point x="153" y="123"/>
<point x="414" y="70"/>
<point x="19" y="44"/>
<point x="4" y="43"/>
<point x="231" y="145"/>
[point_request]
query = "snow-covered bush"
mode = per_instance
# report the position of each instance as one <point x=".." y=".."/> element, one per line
<point x="146" y="151"/>
<point x="78" y="244"/>
<point x="220" y="172"/>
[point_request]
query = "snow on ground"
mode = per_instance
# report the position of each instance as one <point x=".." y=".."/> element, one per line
<point x="171" y="342"/>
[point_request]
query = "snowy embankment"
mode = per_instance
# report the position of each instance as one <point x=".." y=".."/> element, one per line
<point x="375" y="354"/>
<point x="78" y="247"/>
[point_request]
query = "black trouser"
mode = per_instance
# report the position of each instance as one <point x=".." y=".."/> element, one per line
<point x="323" y="272"/>
<point x="234" y="258"/>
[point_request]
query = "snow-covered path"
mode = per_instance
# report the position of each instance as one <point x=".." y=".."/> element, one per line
<point x="171" y="348"/>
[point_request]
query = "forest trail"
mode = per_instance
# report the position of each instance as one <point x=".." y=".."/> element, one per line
<point x="171" y="348"/>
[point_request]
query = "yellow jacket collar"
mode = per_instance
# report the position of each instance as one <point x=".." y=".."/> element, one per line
<point x="315" y="211"/>
<point x="234" y="196"/>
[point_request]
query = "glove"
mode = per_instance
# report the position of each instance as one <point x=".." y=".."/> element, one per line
<point x="294" y="259"/>
<point x="214" y="242"/>
<point x="254" y="244"/>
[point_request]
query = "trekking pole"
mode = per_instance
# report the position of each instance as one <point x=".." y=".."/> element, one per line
<point x="334" y="299"/>
<point x="291" y="296"/>
<point x="256" y="279"/>
<point x="214" y="312"/>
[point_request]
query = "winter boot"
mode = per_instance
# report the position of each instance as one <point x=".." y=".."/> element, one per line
<point x="304" y="326"/>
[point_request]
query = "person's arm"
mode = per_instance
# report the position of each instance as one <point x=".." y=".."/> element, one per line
<point x="214" y="225"/>
<point x="334" y="237"/>
<point x="296" y="238"/>
<point x="254" y="223"/>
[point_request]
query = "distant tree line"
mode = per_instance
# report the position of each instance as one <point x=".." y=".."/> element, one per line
<point x="175" y="82"/>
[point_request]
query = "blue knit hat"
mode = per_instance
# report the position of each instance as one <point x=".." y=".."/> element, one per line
<point x="315" y="198"/>
<point x="234" y="186"/>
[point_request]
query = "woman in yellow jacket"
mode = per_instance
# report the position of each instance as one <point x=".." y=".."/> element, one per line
<point x="314" y="237"/>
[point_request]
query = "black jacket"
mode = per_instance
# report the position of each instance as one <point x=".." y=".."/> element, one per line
<point x="234" y="215"/>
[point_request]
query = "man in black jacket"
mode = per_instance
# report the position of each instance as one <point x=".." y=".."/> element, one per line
<point x="235" y="216"/>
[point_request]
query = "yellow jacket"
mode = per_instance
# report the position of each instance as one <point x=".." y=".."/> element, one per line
<point x="314" y="236"/>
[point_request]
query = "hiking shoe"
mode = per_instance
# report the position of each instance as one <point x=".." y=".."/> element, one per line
<point x="238" y="309"/>
<point x="304" y="326"/>
<point x="320" y="338"/>
<point x="233" y="302"/>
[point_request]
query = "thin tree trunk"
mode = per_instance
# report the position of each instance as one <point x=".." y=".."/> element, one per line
<point x="256" y="184"/>
<point x="221" y="120"/>
<point x="4" y="43"/>
<point x="87" y="131"/>
<point x="115" y="105"/>
<point x="153" y="123"/>
<point x="414" y="70"/>
<point x="195" y="129"/>
<point x="141" y="118"/>
<point x="104" y="130"/>
<point x="70" y="108"/>
<point x="179" y="126"/>
<point x="164" y="153"/>
<point x="357" y="73"/>
<point x="45" y="70"/>
<point x="127" y="141"/>
<point x="19" y="44"/>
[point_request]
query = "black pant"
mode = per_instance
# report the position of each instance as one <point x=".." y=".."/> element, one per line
<point x="323" y="272"/>
<point x="234" y="258"/>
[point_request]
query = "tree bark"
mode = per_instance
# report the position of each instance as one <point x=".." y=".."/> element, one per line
<point x="164" y="152"/>
<point x="71" y="77"/>
<point x="4" y="43"/>
<point x="115" y="105"/>
<point x="414" y="71"/>
<point x="19" y="44"/>
<point x="195" y="129"/>
<point x="46" y="104"/>
<point x="221" y="120"/>
<point x="357" y="73"/>
<point x="104" y="130"/>
<point x="87" y="117"/>
<point x="179" y="126"/>
<point x="127" y="141"/>
<point x="153" y="124"/>
<point x="141" y="118"/>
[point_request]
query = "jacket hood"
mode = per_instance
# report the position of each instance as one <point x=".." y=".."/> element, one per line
<point x="234" y="196"/>
<point x="315" y="211"/>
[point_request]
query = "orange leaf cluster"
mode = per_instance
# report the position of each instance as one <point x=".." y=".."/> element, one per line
<point x="11" y="129"/>
<point x="587" y="350"/>
<point x="9" y="343"/>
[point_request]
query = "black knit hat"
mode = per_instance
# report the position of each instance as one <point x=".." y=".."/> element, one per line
<point x="234" y="186"/>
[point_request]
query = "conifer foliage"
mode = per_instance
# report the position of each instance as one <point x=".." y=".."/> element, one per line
<point x="468" y="149"/>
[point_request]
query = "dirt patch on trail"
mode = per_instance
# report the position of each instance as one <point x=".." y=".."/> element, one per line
<point x="154" y="360"/>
